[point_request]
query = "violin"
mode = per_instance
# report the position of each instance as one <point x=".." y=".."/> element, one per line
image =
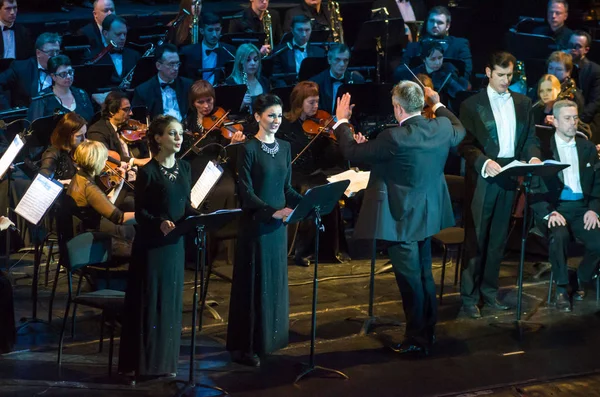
<point x="133" y="131"/>
<point x="217" y="120"/>
<point x="320" y="124"/>
<point x="110" y="177"/>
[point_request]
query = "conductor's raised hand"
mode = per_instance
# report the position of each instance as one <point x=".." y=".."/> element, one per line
<point x="344" y="108"/>
<point x="167" y="227"/>
<point x="431" y="97"/>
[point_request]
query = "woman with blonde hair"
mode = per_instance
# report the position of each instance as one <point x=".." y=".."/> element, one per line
<point x="246" y="71"/>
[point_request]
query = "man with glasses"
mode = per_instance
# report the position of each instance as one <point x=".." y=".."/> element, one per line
<point x="114" y="30"/>
<point x="166" y="93"/>
<point x="27" y="78"/>
<point x="15" y="40"/>
<point x="93" y="30"/>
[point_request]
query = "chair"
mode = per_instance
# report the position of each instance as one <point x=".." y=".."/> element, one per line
<point x="452" y="238"/>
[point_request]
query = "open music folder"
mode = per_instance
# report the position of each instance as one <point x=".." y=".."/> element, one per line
<point x="209" y="178"/>
<point x="38" y="198"/>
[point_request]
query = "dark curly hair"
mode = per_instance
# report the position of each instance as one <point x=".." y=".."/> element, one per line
<point x="158" y="127"/>
<point x="265" y="101"/>
<point x="112" y="103"/>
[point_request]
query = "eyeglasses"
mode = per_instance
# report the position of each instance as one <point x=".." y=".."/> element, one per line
<point x="173" y="65"/>
<point x="126" y="109"/>
<point x="52" y="53"/>
<point x="65" y="74"/>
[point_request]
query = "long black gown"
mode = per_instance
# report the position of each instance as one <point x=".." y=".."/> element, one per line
<point x="153" y="303"/>
<point x="259" y="308"/>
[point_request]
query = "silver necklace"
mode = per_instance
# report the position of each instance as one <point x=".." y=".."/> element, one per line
<point x="272" y="151"/>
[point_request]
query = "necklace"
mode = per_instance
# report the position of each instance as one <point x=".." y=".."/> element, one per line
<point x="171" y="173"/>
<point x="270" y="150"/>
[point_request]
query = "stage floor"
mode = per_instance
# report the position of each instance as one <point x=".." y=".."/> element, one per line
<point x="471" y="356"/>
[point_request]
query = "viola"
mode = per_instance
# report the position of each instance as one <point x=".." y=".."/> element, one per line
<point x="217" y="120"/>
<point x="320" y="124"/>
<point x="110" y="177"/>
<point x="134" y="131"/>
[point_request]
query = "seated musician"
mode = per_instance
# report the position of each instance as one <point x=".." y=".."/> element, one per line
<point x="330" y="80"/>
<point x="27" y="78"/>
<point x="315" y="10"/>
<point x="16" y="41"/>
<point x="166" y="93"/>
<point x="66" y="98"/>
<point x="251" y="20"/>
<point x="321" y="158"/>
<point x="560" y="65"/>
<point x="92" y="207"/>
<point x="291" y="54"/>
<point x="567" y="206"/>
<point x="246" y="71"/>
<point x="93" y="30"/>
<point x="57" y="160"/>
<point x="437" y="27"/>
<point x="211" y="53"/>
<point x="557" y="14"/>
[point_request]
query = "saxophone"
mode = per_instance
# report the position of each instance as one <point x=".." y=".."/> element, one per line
<point x="268" y="28"/>
<point x="194" y="26"/>
<point x="126" y="82"/>
<point x="336" y="21"/>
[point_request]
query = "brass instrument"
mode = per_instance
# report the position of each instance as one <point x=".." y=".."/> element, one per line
<point x="196" y="5"/>
<point x="126" y="82"/>
<point x="336" y="21"/>
<point x="268" y="28"/>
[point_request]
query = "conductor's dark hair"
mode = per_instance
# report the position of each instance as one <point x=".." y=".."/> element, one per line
<point x="265" y="101"/>
<point x="162" y="49"/>
<point x="158" y="127"/>
<point x="210" y="18"/>
<point x="501" y="58"/>
<point x="109" y="20"/>
<point x="112" y="103"/>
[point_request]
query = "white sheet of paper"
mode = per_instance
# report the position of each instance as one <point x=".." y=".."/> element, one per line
<point x="11" y="153"/>
<point x="38" y="198"/>
<point x="358" y="180"/>
<point x="517" y="163"/>
<point x="205" y="183"/>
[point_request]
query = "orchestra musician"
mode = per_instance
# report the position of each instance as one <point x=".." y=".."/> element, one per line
<point x="259" y="306"/>
<point x="331" y="80"/>
<point x="407" y="199"/>
<point x="320" y="158"/>
<point x="27" y="78"/>
<point x="165" y="93"/>
<point x="114" y="29"/>
<point x="15" y="40"/>
<point x="66" y="98"/>
<point x="557" y="14"/>
<point x="560" y="65"/>
<point x="246" y="71"/>
<point x="315" y="10"/>
<point x="548" y="90"/>
<point x="408" y="10"/>
<point x="500" y="129"/>
<point x="180" y="36"/>
<point x="288" y="60"/>
<point x="93" y="30"/>
<point x="211" y="53"/>
<point x="251" y="21"/>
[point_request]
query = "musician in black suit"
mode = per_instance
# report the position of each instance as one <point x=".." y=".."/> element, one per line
<point x="588" y="79"/>
<point x="409" y="10"/>
<point x="500" y="129"/>
<point x="291" y="54"/>
<point x="437" y="27"/>
<point x="252" y="20"/>
<point x="15" y="40"/>
<point x="114" y="29"/>
<point x="208" y="54"/>
<point x="568" y="203"/>
<point x="93" y="30"/>
<point x="315" y="10"/>
<point x="406" y="200"/>
<point x="167" y="92"/>
<point x="557" y="14"/>
<point x="27" y="78"/>
<point x="331" y="80"/>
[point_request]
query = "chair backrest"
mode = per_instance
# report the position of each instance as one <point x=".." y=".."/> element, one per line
<point x="90" y="248"/>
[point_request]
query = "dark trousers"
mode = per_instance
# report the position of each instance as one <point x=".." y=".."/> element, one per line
<point x="486" y="239"/>
<point x="412" y="267"/>
<point x="559" y="238"/>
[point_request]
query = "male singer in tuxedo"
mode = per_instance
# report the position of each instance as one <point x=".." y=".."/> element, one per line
<point x="289" y="56"/>
<point x="167" y="92"/>
<point x="209" y="54"/>
<point x="331" y="80"/>
<point x="406" y="200"/>
<point x="500" y="129"/>
<point x="566" y="205"/>
<point x="93" y="30"/>
<point x="15" y="41"/>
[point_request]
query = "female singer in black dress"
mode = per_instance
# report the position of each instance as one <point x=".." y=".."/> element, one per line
<point x="153" y="303"/>
<point x="259" y="308"/>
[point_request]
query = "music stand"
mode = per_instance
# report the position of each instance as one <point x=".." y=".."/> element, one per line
<point x="527" y="172"/>
<point x="145" y="69"/>
<point x="90" y="77"/>
<point x="528" y="45"/>
<point x="318" y="201"/>
<point x="367" y="97"/>
<point x="236" y="39"/>
<point x="284" y="93"/>
<point x="311" y="67"/>
<point x="230" y="96"/>
<point x="201" y="224"/>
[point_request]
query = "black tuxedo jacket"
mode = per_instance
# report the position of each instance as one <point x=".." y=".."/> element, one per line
<point x="320" y="21"/>
<point x="23" y="43"/>
<point x="21" y="82"/>
<point x="285" y="62"/>
<point x="192" y="60"/>
<point x="589" y="83"/>
<point x="325" y="82"/>
<point x="94" y="37"/>
<point x="418" y="6"/>
<point x="130" y="59"/>
<point x="456" y="48"/>
<point x="102" y="131"/>
<point x="546" y="191"/>
<point x="407" y="177"/>
<point x="149" y="94"/>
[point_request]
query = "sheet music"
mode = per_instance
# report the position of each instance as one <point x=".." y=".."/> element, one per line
<point x="517" y="163"/>
<point x="358" y="180"/>
<point x="205" y="183"/>
<point x="38" y="198"/>
<point x="11" y="153"/>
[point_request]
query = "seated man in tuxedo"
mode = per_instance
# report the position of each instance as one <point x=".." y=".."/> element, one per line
<point x="316" y="10"/>
<point x="15" y="40"/>
<point x="27" y="78"/>
<point x="567" y="205"/>
<point x="437" y="27"/>
<point x="167" y="92"/>
<point x="208" y="54"/>
<point x="289" y="56"/>
<point x="331" y="80"/>
<point x="114" y="30"/>
<point x="558" y="11"/>
<point x="93" y="30"/>
<point x="251" y="20"/>
<point x="408" y="10"/>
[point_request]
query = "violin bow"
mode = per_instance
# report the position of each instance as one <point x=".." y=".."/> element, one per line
<point x="219" y="120"/>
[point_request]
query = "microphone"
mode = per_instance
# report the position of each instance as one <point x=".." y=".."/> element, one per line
<point x="42" y="96"/>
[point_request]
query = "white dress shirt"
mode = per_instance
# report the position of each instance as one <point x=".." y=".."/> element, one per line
<point x="209" y="62"/>
<point x="299" y="55"/>
<point x="567" y="152"/>
<point x="503" y="108"/>
<point x="169" y="101"/>
<point x="44" y="79"/>
<point x="117" y="59"/>
<point x="8" y="36"/>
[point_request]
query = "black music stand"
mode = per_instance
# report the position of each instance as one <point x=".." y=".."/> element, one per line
<point x="367" y="97"/>
<point x="230" y="96"/>
<point x="318" y="201"/>
<point x="527" y="172"/>
<point x="527" y="45"/>
<point x="312" y="66"/>
<point x="201" y="225"/>
<point x="284" y="93"/>
<point x="145" y="69"/>
<point x="91" y="77"/>
<point x="236" y="39"/>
